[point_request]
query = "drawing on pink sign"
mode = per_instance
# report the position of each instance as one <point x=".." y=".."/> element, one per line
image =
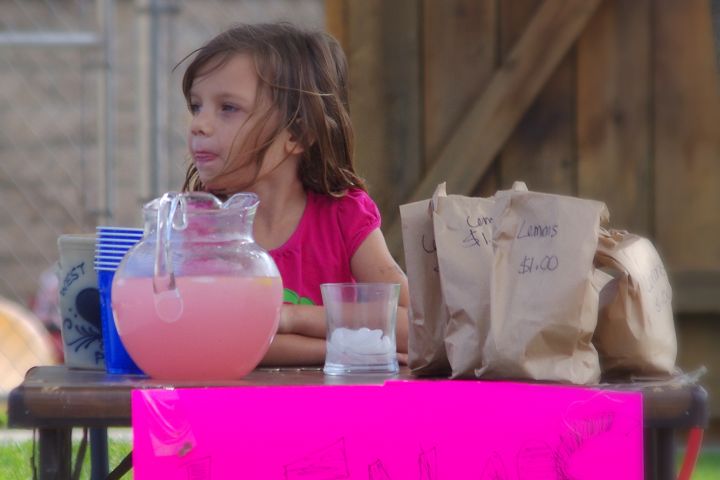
<point x="427" y="463"/>
<point x="376" y="471"/>
<point x="536" y="460"/>
<point x="199" y="469"/>
<point x="328" y="463"/>
<point x="427" y="467"/>
<point x="494" y="469"/>
<point x="580" y="431"/>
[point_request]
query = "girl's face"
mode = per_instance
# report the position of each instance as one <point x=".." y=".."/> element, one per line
<point x="221" y="103"/>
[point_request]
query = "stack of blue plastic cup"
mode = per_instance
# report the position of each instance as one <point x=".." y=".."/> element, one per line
<point x="111" y="245"/>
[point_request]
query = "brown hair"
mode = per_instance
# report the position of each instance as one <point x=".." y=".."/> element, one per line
<point x="304" y="74"/>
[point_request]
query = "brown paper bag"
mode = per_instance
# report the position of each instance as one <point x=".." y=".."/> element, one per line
<point x="463" y="235"/>
<point x="544" y="289"/>
<point x="428" y="313"/>
<point x="635" y="332"/>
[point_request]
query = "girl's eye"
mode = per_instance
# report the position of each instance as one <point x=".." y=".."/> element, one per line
<point x="193" y="108"/>
<point x="227" y="107"/>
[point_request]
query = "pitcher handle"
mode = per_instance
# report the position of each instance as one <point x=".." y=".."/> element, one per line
<point x="167" y="299"/>
<point x="163" y="273"/>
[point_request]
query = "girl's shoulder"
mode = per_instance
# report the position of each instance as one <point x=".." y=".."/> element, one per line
<point x="355" y="202"/>
<point x="345" y="220"/>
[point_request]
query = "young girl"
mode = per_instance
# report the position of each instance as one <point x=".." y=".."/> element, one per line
<point x="269" y="110"/>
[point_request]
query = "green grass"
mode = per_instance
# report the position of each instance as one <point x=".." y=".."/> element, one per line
<point x="15" y="459"/>
<point x="708" y="466"/>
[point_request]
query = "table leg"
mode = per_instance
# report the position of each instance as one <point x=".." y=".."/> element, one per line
<point x="55" y="446"/>
<point x="650" y="453"/>
<point x="99" y="465"/>
<point x="666" y="453"/>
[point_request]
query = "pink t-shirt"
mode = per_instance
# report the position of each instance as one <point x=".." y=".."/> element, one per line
<point x="319" y="251"/>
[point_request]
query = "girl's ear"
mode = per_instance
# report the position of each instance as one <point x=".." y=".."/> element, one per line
<point x="292" y="142"/>
<point x="292" y="145"/>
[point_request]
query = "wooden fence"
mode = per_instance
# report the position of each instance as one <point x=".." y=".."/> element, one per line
<point x="615" y="100"/>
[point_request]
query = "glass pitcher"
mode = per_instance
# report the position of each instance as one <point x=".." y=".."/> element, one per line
<point x="197" y="298"/>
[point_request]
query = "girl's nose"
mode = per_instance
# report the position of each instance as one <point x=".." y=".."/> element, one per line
<point x="201" y="124"/>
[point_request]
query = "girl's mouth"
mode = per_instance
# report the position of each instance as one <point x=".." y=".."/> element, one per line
<point x="201" y="157"/>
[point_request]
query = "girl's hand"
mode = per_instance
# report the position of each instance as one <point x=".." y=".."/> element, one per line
<point x="402" y="358"/>
<point x="372" y="262"/>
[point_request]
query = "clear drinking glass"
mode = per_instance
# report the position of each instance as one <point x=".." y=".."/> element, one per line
<point x="361" y="319"/>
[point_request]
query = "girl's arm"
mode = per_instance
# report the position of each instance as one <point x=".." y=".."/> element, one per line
<point x="372" y="262"/>
<point x="289" y="350"/>
<point x="307" y="320"/>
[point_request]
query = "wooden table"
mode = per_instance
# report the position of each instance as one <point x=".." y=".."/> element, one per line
<point x="55" y="399"/>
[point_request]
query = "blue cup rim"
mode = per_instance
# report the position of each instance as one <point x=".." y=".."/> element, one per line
<point x="118" y="237"/>
<point x="117" y="241"/>
<point x="107" y="261"/>
<point x="118" y="234"/>
<point x="104" y="228"/>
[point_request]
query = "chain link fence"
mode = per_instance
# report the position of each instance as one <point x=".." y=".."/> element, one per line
<point x="93" y="119"/>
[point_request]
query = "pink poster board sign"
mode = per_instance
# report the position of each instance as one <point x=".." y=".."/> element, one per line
<point x="421" y="430"/>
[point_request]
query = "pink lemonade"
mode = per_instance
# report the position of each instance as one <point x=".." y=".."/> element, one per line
<point x="221" y="332"/>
